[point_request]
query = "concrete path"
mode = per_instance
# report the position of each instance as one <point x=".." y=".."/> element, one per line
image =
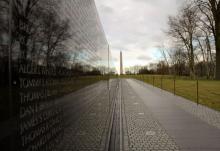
<point x="129" y="115"/>
<point x="171" y="123"/>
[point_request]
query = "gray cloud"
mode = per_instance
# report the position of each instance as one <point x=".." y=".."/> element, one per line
<point x="136" y="25"/>
<point x="144" y="58"/>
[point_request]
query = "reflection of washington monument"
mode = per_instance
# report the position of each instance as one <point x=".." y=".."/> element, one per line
<point x="121" y="64"/>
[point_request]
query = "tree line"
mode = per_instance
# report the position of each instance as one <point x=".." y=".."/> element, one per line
<point x="37" y="33"/>
<point x="33" y="32"/>
<point x="195" y="40"/>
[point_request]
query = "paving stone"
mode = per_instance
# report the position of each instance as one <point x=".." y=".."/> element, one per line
<point x="144" y="125"/>
<point x="143" y="130"/>
<point x="191" y="126"/>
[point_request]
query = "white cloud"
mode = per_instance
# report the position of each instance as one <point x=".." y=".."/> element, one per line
<point x="144" y="57"/>
<point x="135" y="27"/>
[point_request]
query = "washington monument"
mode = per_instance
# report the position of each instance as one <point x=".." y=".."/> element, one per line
<point x="121" y="64"/>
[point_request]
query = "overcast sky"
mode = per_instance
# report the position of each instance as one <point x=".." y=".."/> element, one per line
<point x="136" y="27"/>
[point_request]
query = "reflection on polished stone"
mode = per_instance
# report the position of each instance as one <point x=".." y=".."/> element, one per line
<point x="48" y="50"/>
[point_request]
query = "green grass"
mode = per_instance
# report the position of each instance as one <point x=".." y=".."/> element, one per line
<point x="208" y="90"/>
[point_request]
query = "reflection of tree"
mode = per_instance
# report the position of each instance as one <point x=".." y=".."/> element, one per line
<point x="3" y="28"/>
<point x="55" y="33"/>
<point x="38" y="34"/>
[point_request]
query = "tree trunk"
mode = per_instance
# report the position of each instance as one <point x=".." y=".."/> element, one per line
<point x="24" y="48"/>
<point x="217" y="43"/>
<point x="191" y="59"/>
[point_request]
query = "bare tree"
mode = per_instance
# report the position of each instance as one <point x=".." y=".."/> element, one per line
<point x="4" y="18"/>
<point x="178" y="60"/>
<point x="162" y="68"/>
<point x="211" y="12"/>
<point x="183" y="28"/>
<point x="24" y="18"/>
<point x="54" y="34"/>
<point x="203" y="39"/>
<point x="164" y="54"/>
<point x="37" y="31"/>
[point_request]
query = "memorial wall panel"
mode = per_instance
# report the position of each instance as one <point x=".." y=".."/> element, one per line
<point x="48" y="49"/>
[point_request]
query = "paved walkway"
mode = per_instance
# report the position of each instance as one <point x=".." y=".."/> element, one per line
<point x="190" y="126"/>
<point x="143" y="131"/>
<point x="129" y="115"/>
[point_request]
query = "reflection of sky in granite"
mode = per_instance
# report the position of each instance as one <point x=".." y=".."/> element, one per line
<point x="88" y="41"/>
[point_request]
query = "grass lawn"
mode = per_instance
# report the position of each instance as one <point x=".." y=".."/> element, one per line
<point x="208" y="90"/>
